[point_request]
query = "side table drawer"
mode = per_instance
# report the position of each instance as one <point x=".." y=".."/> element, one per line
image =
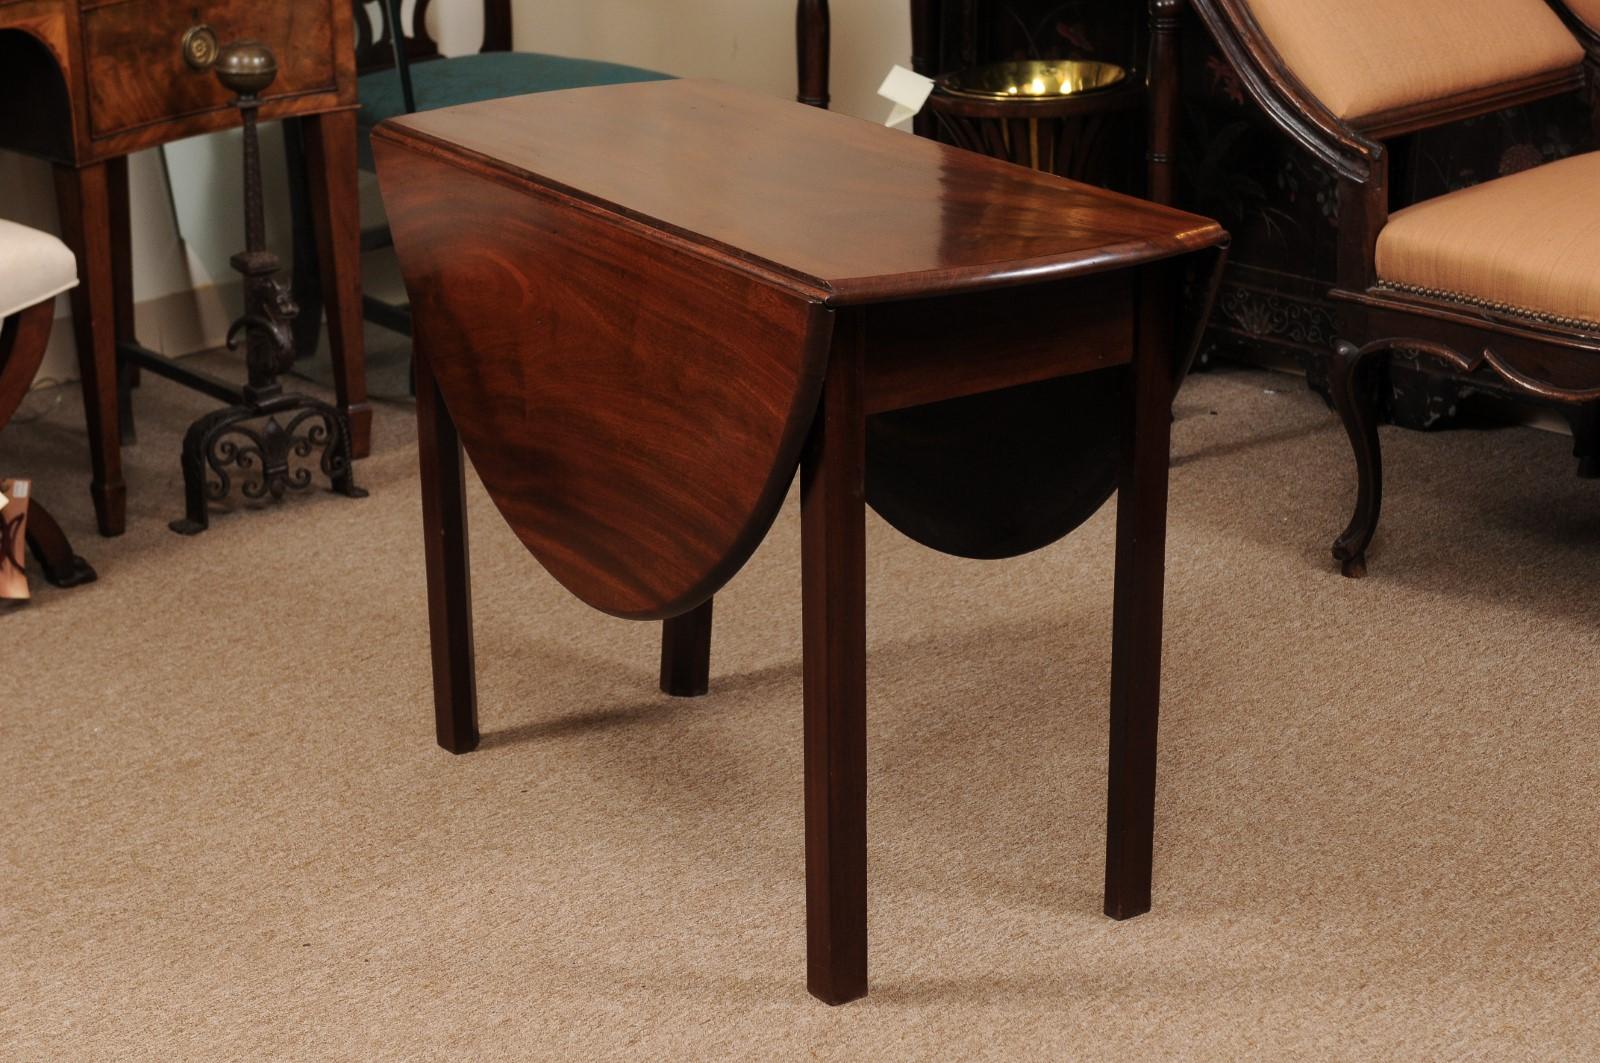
<point x="136" y="71"/>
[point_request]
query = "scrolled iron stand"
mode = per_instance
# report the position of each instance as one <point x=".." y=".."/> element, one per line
<point x="225" y="445"/>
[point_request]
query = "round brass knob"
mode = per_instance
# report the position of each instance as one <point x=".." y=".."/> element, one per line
<point x="200" y="47"/>
<point x="246" y="68"/>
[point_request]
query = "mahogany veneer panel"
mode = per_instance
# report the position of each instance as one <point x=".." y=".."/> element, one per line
<point x="137" y="77"/>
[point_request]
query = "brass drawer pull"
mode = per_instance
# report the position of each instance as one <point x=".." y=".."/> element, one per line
<point x="200" y="47"/>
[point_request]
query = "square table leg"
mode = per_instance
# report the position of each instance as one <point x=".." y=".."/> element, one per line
<point x="834" y="604"/>
<point x="1136" y="618"/>
<point x="686" y="653"/>
<point x="445" y="553"/>
<point x="84" y="196"/>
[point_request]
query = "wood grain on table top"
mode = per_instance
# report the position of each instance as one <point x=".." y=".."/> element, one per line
<point x="842" y="209"/>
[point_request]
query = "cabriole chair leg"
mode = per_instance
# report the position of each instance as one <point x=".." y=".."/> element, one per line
<point x="1353" y="399"/>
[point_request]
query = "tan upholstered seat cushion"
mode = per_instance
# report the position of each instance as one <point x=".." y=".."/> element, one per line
<point x="1365" y="57"/>
<point x="1530" y="242"/>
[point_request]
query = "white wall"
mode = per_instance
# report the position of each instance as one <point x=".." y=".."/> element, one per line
<point x="185" y="290"/>
<point x="746" y="42"/>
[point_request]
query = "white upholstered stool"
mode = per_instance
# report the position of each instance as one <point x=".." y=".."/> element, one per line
<point x="35" y="267"/>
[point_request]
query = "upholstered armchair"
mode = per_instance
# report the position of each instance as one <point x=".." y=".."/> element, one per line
<point x="1501" y="279"/>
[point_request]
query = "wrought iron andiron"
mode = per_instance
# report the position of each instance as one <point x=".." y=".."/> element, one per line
<point x="224" y="444"/>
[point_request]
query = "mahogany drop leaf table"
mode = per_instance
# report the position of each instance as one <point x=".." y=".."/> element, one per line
<point x="640" y="309"/>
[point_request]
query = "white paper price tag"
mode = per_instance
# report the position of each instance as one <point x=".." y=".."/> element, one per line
<point x="908" y="91"/>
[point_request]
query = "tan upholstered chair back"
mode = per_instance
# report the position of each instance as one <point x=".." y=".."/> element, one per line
<point x="1588" y="11"/>
<point x="1364" y="58"/>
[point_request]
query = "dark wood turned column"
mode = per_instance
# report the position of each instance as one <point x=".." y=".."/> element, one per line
<point x="925" y="36"/>
<point x="813" y="37"/>
<point x="496" y="26"/>
<point x="1164" y="82"/>
<point x="925" y="52"/>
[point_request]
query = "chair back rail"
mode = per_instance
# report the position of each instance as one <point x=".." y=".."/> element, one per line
<point x="1587" y="30"/>
<point x="375" y="32"/>
<point x="375" y="44"/>
<point x="1353" y="148"/>
<point x="1583" y="26"/>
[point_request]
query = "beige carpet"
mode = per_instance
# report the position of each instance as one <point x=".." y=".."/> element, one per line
<point x="229" y="835"/>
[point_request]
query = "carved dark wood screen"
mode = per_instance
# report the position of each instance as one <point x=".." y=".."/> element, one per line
<point x="968" y="32"/>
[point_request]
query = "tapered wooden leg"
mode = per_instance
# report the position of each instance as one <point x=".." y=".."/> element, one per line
<point x="1136" y="619"/>
<point x="1353" y="399"/>
<point x="444" y="523"/>
<point x="834" y="604"/>
<point x="84" y="198"/>
<point x="330" y="150"/>
<point x="686" y="653"/>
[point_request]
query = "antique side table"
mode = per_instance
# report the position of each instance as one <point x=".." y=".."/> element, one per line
<point x="641" y="308"/>
<point x="83" y="83"/>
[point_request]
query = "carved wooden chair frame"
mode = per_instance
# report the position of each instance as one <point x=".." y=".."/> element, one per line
<point x="1537" y="355"/>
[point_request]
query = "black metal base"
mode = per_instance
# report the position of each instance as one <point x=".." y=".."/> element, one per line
<point x="224" y="444"/>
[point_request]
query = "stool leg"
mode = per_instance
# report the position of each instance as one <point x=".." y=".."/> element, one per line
<point x="833" y="594"/>
<point x="444" y="523"/>
<point x="686" y="653"/>
<point x="62" y="567"/>
<point x="84" y="197"/>
<point x="1136" y="614"/>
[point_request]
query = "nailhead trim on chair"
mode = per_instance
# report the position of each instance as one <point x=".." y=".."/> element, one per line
<point x="1500" y="308"/>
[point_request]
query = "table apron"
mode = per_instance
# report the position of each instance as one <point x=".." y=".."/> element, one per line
<point x="929" y="350"/>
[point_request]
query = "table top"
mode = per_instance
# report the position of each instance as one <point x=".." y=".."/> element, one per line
<point x="845" y="210"/>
